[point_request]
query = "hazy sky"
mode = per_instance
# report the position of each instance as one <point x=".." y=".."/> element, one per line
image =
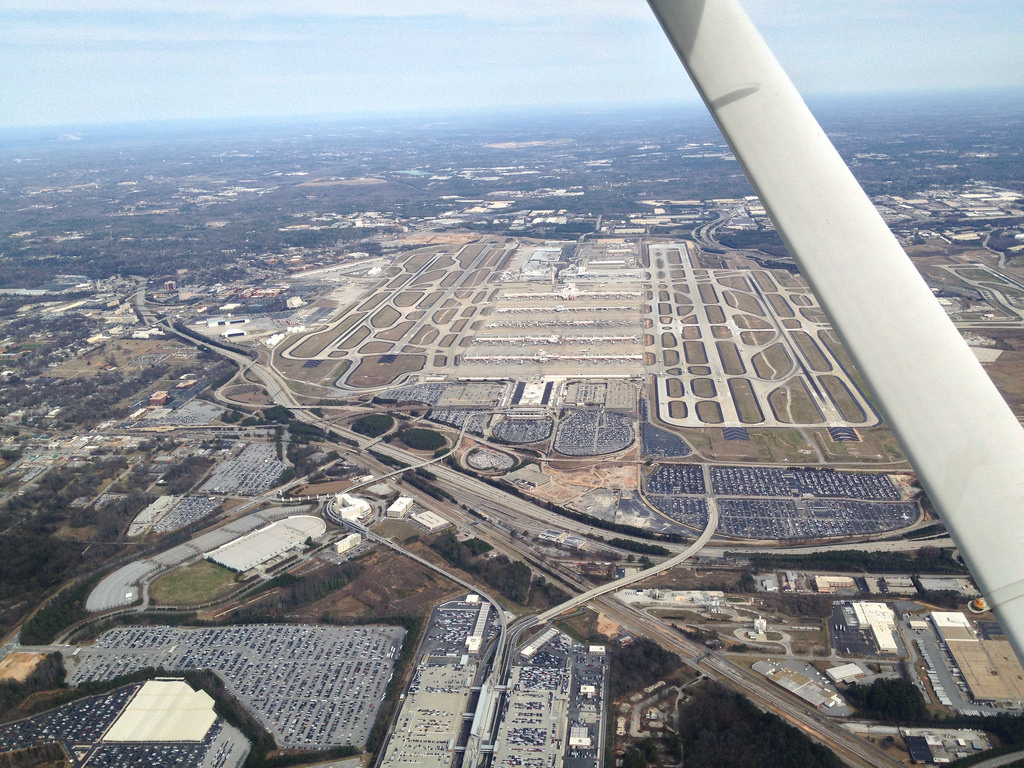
<point x="85" y="61"/>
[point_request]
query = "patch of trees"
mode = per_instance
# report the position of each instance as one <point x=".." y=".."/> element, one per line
<point x="943" y="598"/>
<point x="721" y="729"/>
<point x="303" y="458"/>
<point x="396" y="463"/>
<point x="374" y="424"/>
<point x="512" y="580"/>
<point x="638" y="546"/>
<point x="928" y="560"/>
<point x="893" y="700"/>
<point x="817" y="606"/>
<point x="422" y="439"/>
<point x="637" y="665"/>
<point x="38" y="756"/>
<point x="414" y="626"/>
<point x="649" y="751"/>
<point x="767" y="241"/>
<point x="63" y="610"/>
<point x="185" y="473"/>
<point x="477" y="546"/>
<point x="47" y="675"/>
<point x="292" y="591"/>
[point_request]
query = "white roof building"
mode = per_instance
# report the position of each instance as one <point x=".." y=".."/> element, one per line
<point x="400" y="506"/>
<point x="351" y="507"/>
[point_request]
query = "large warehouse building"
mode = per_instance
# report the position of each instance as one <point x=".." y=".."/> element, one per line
<point x="260" y="547"/>
<point x="989" y="667"/>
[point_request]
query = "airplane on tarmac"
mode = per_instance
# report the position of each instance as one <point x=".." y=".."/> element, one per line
<point x="953" y="425"/>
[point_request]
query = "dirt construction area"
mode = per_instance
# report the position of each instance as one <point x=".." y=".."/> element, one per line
<point x="18" y="666"/>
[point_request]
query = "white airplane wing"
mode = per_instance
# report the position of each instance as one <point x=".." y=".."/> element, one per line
<point x="955" y="428"/>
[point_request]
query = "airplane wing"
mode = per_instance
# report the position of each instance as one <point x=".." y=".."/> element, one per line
<point x="957" y="431"/>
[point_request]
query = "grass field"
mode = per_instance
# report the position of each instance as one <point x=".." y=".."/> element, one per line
<point x="194" y="584"/>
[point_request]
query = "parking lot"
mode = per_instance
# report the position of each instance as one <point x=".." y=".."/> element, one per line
<point x="312" y="687"/>
<point x="594" y="432"/>
<point x="556" y="696"/>
<point x="677" y="478"/>
<point x="188" y="510"/>
<point x="255" y="470"/>
<point x="810" y="519"/>
<point x="689" y="511"/>
<point x="659" y="442"/>
<point x="522" y="431"/>
<point x="800" y="481"/>
<point x="450" y="625"/>
<point x="457" y="417"/>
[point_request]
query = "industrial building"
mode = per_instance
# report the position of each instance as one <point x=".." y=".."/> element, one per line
<point x="164" y="710"/>
<point x="272" y="541"/>
<point x="830" y="584"/>
<point x="879" y="620"/>
<point x="990" y="668"/>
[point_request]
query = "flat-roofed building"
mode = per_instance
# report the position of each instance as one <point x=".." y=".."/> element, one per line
<point x="351" y="541"/>
<point x="845" y="673"/>
<point x="879" y="620"/>
<point x="830" y="584"/>
<point x="990" y="668"/>
<point x="432" y="522"/>
<point x="351" y="507"/>
<point x="400" y="507"/>
<point x="164" y="710"/>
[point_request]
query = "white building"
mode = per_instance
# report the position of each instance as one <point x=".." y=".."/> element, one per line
<point x="430" y="521"/>
<point x="879" y="619"/>
<point x="351" y="507"/>
<point x="351" y="541"/>
<point x="400" y="507"/>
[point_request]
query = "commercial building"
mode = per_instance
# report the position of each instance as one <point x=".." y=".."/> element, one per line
<point x="164" y="710"/>
<point x="400" y="507"/>
<point x="351" y="507"/>
<point x="829" y="584"/>
<point x="430" y="521"/>
<point x="351" y="541"/>
<point x="845" y="673"/>
<point x="879" y="620"/>
<point x="260" y="547"/>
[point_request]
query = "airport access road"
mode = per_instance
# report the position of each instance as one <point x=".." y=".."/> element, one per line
<point x="614" y="586"/>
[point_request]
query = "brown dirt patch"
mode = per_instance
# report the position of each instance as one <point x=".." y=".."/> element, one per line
<point x="18" y="666"/>
<point x="607" y="626"/>
<point x="390" y="584"/>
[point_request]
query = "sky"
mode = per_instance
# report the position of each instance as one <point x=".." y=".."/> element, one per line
<point x="73" y="62"/>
